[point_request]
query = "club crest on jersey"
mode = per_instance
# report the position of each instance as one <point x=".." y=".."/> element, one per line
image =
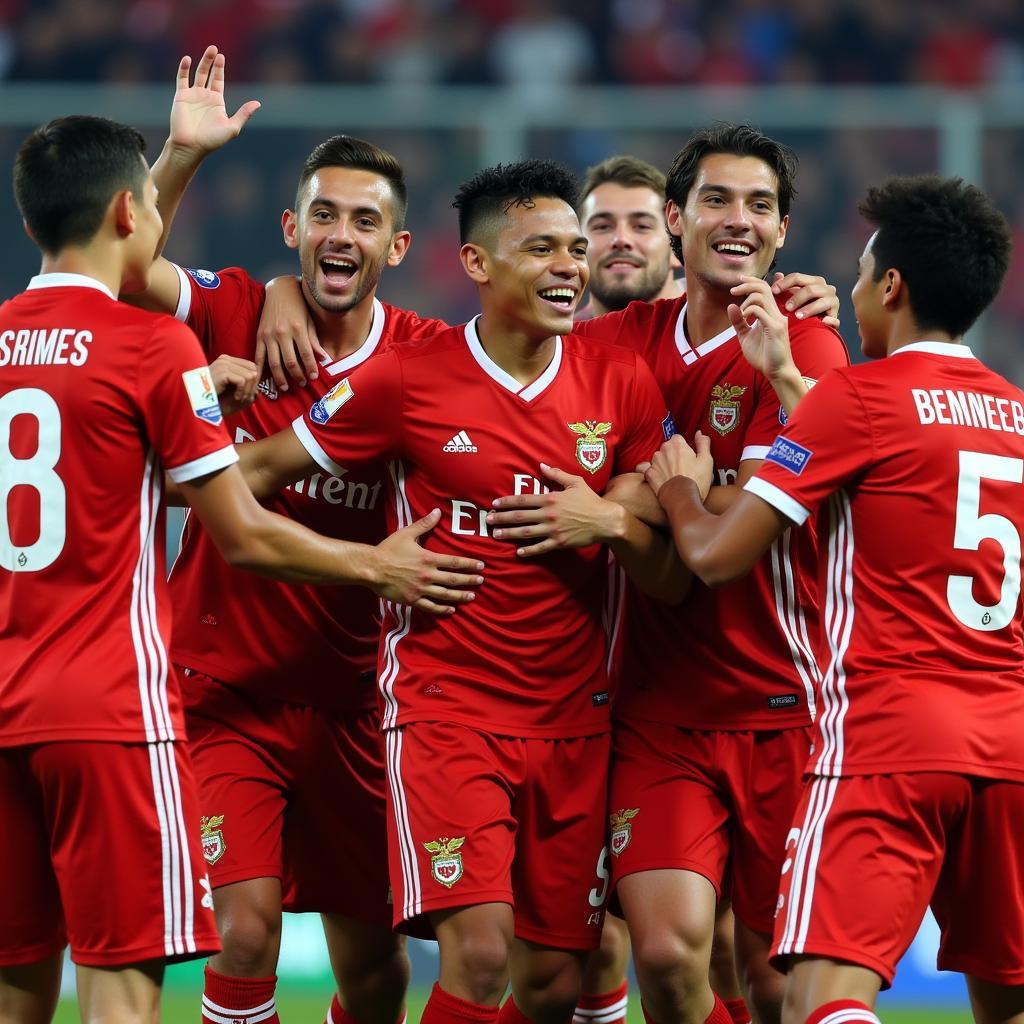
<point x="724" y="413"/>
<point x="201" y="394"/>
<point x="591" y="449"/>
<point x="212" y="836"/>
<point x="203" y="278"/>
<point x="622" y="829"/>
<point x="446" y="862"/>
<point x="323" y="410"/>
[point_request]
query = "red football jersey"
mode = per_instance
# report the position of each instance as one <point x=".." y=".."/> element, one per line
<point x="304" y="644"/>
<point x="920" y="458"/>
<point x="740" y="656"/>
<point x="97" y="399"/>
<point x="526" y="657"/>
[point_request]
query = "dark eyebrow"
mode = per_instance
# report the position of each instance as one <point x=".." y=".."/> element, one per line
<point x="359" y="211"/>
<point x="553" y="239"/>
<point x="757" y="193"/>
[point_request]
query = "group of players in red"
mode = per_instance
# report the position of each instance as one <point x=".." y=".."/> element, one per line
<point x="809" y="637"/>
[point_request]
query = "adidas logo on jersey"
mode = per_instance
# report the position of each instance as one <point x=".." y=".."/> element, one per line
<point x="268" y="388"/>
<point x="460" y="443"/>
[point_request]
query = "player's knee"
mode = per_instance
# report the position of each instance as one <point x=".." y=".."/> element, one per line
<point x="550" y="990"/>
<point x="481" y="962"/>
<point x="612" y="956"/>
<point x="251" y="940"/>
<point x="766" y="991"/>
<point x="381" y="966"/>
<point x="666" y="960"/>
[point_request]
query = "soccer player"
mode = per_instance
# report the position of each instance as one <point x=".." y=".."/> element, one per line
<point x="497" y="732"/>
<point x="281" y="706"/>
<point x="96" y="400"/>
<point x="714" y="698"/>
<point x="914" y="465"/>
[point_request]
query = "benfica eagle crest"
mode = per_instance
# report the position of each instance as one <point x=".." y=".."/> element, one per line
<point x="622" y="829"/>
<point x="724" y="413"/>
<point x="212" y="837"/>
<point x="446" y="863"/>
<point x="591" y="449"/>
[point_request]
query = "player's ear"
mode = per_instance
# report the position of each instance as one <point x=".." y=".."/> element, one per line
<point x="28" y="231"/>
<point x="895" y="288"/>
<point x="400" y="242"/>
<point x="122" y="213"/>
<point x="783" y="225"/>
<point x="290" y="228"/>
<point x="475" y="262"/>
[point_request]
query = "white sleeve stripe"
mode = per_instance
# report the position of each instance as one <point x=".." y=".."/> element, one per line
<point x="205" y="464"/>
<point x="778" y="499"/>
<point x="755" y="451"/>
<point x="312" y="445"/>
<point x="184" y="306"/>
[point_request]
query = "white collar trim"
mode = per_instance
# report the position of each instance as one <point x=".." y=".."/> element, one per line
<point x="367" y="348"/>
<point x="687" y="351"/>
<point x="506" y="380"/>
<point x="68" y="281"/>
<point x="937" y="348"/>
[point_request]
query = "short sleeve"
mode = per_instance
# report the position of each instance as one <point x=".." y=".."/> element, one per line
<point x="359" y="420"/>
<point x="223" y="308"/>
<point x="179" y="404"/>
<point x="613" y="328"/>
<point x="826" y="444"/>
<point x="650" y="422"/>
<point x="816" y="350"/>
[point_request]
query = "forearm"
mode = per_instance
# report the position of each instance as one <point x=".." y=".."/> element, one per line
<point x="172" y="172"/>
<point x="649" y="559"/>
<point x="630" y="490"/>
<point x="790" y="386"/>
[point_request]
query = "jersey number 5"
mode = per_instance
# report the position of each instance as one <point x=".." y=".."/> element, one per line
<point x="37" y="472"/>
<point x="972" y="529"/>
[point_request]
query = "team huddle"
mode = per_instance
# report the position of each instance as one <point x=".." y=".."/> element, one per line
<point x="648" y="629"/>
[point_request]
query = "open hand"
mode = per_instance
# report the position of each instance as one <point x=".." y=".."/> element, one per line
<point x="286" y="340"/>
<point x="808" y="296"/>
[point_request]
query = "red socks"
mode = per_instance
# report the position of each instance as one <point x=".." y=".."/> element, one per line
<point x="443" y="1008"/>
<point x="843" y="1011"/>
<point x="609" y="1008"/>
<point x="511" y="1014"/>
<point x="228" y="1000"/>
<point x="337" y="1014"/>
<point x="718" y="1015"/>
<point x="738" y="1010"/>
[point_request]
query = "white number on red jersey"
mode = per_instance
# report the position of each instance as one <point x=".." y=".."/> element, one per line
<point x="36" y="472"/>
<point x="972" y="529"/>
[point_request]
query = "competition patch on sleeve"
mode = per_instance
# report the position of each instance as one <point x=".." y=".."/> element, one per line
<point x="323" y="410"/>
<point x="201" y="394"/>
<point x="204" y="278"/>
<point x="783" y="418"/>
<point x="668" y="426"/>
<point x="789" y="455"/>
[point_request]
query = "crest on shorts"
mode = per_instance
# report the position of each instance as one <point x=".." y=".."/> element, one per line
<point x="212" y="837"/>
<point x="446" y="862"/>
<point x="591" y="449"/>
<point x="622" y="829"/>
<point x="724" y="413"/>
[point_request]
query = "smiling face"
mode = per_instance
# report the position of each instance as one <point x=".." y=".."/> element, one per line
<point x="536" y="269"/>
<point x="629" y="253"/>
<point x="344" y="232"/>
<point x="730" y="224"/>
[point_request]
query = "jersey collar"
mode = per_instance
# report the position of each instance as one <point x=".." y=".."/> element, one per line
<point x="367" y="348"/>
<point x="506" y="380"/>
<point x="937" y="348"/>
<point x="686" y="350"/>
<point x="68" y="281"/>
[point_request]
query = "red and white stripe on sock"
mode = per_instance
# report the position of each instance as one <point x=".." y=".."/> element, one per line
<point x="228" y="1000"/>
<point x="607" y="1008"/>
<point x="843" y="1011"/>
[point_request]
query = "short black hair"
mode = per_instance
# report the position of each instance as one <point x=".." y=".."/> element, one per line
<point x="67" y="171"/>
<point x="491" y="193"/>
<point x="734" y="140"/>
<point x="360" y="155"/>
<point x="948" y="241"/>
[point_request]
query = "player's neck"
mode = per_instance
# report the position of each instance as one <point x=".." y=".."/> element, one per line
<point x="104" y="267"/>
<point x="898" y="342"/>
<point x="518" y="352"/>
<point x="344" y="332"/>
<point x="706" y="313"/>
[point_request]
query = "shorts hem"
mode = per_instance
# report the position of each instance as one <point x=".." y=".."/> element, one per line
<point x="218" y="879"/>
<point x="33" y="955"/>
<point x="544" y="937"/>
<point x="858" y="958"/>
<point x="453" y="901"/>
<point x="123" y="958"/>
<point x="382" y="917"/>
<point x="661" y="865"/>
<point x="981" y="970"/>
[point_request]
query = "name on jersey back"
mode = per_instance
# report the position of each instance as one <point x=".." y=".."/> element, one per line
<point x="59" y="346"/>
<point x="968" y="409"/>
